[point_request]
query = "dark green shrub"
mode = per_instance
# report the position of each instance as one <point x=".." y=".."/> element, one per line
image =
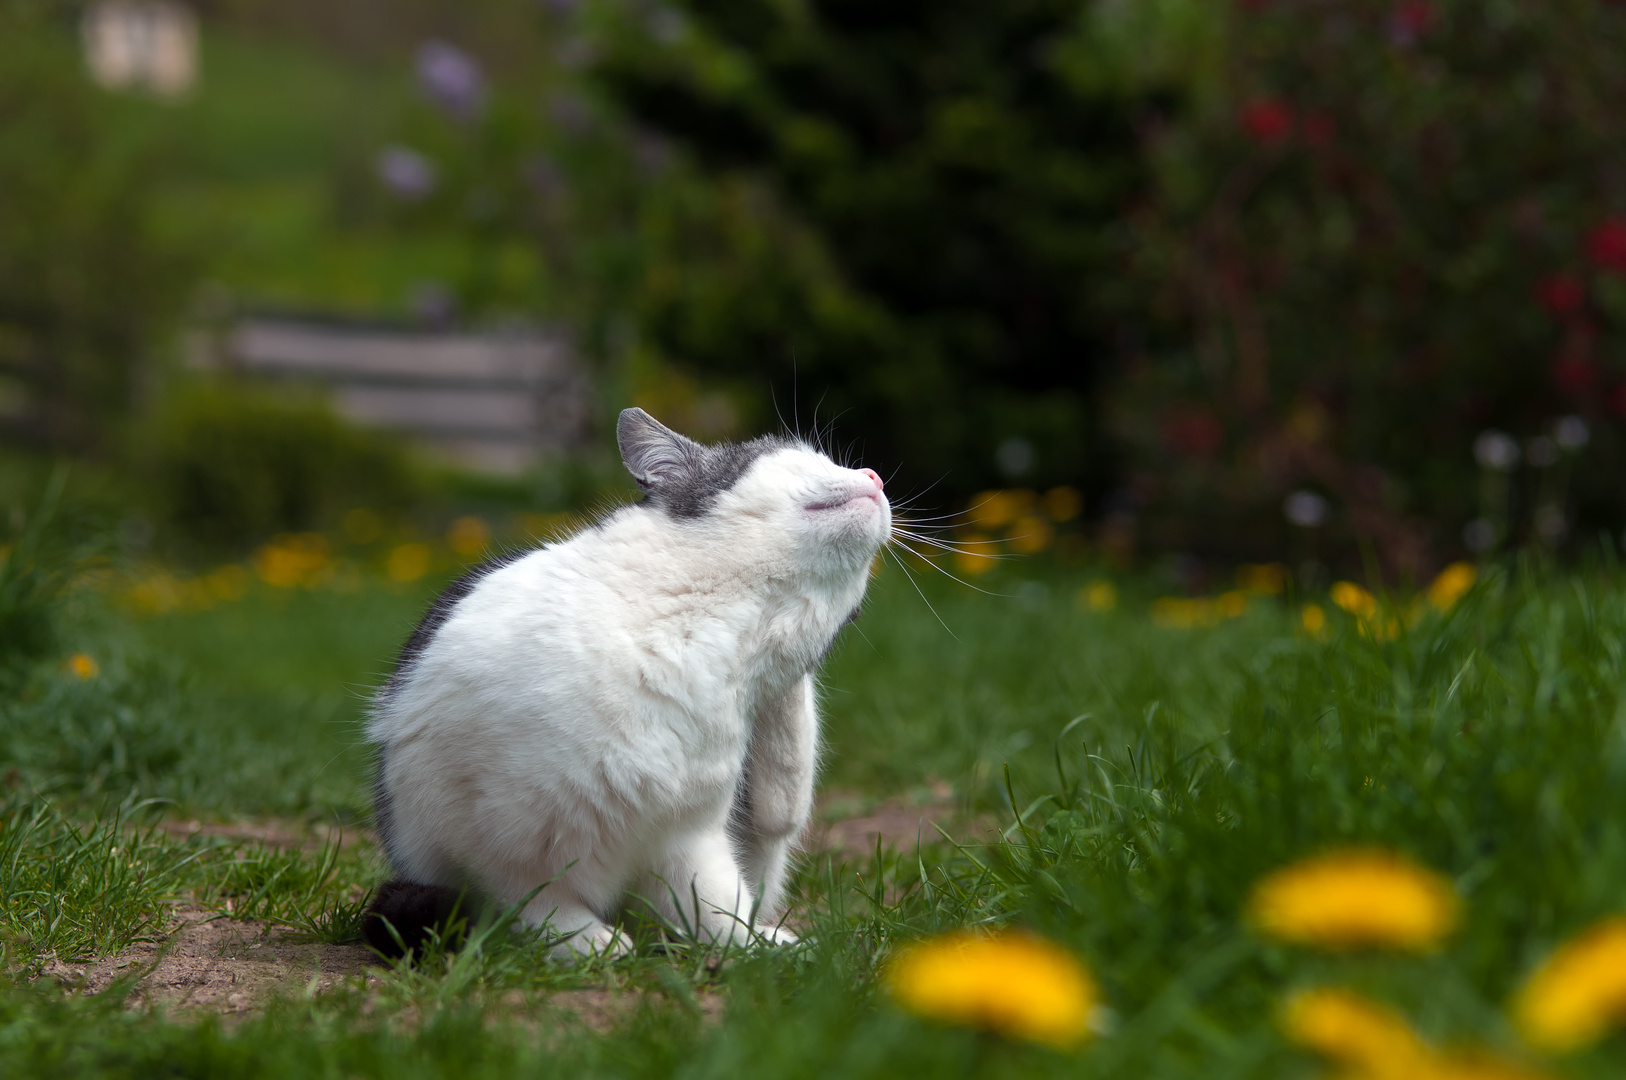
<point x="233" y="464"/>
<point x="1393" y="227"/>
<point x="31" y="581"/>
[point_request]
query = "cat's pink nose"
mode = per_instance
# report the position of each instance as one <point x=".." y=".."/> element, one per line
<point x="874" y="476"/>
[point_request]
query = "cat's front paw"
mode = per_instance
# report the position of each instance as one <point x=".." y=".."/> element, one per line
<point x="776" y="935"/>
<point x="590" y="941"/>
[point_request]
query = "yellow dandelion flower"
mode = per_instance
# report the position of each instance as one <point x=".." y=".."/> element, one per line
<point x="1355" y="899"/>
<point x="1231" y="605"/>
<point x="1011" y="983"/>
<point x="83" y="665"/>
<point x="1031" y="534"/>
<point x="1453" y="582"/>
<point x="407" y="562"/>
<point x="1343" y="1027"/>
<point x="1182" y="613"/>
<point x="1262" y="579"/>
<point x="977" y="555"/>
<point x="1579" y="993"/>
<point x="1354" y="599"/>
<point x="468" y="536"/>
<point x="1373" y="1042"/>
<point x="1098" y="596"/>
<point x="1314" y="619"/>
<point x="1063" y="503"/>
<point x="994" y="509"/>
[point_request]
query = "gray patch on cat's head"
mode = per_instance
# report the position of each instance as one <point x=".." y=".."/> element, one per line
<point x="679" y="475"/>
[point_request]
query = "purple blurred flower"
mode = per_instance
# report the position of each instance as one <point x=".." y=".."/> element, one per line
<point x="452" y="79"/>
<point x="406" y="172"/>
<point x="570" y="112"/>
<point x="576" y="53"/>
<point x="545" y="176"/>
<point x="652" y="153"/>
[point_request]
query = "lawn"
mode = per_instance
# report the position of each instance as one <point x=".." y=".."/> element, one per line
<point x="1145" y="773"/>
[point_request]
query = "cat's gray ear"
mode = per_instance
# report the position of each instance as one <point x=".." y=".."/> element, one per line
<point x="653" y="453"/>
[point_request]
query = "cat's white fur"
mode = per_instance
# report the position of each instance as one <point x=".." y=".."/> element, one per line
<point x="590" y="716"/>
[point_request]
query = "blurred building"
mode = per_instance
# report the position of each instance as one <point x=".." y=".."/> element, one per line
<point x="142" y="45"/>
<point x="496" y="401"/>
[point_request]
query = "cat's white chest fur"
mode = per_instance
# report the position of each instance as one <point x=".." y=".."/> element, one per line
<point x="631" y="713"/>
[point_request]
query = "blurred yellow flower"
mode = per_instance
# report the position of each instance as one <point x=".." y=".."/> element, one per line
<point x="1182" y="612"/>
<point x="290" y="561"/>
<point x="1231" y="605"/>
<point x="1373" y="1042"/>
<point x="993" y="509"/>
<point x="1012" y="983"/>
<point x="977" y="554"/>
<point x="229" y="582"/>
<point x="1354" y="599"/>
<point x="1098" y="596"/>
<point x="1031" y="534"/>
<point x="1579" y="993"/>
<point x="1453" y="582"/>
<point x="1314" y="619"/>
<point x="83" y="666"/>
<point x="1343" y="1027"/>
<point x="407" y="562"/>
<point x="1063" y="503"/>
<point x="1355" y="899"/>
<point x="1262" y="579"/>
<point x="468" y="536"/>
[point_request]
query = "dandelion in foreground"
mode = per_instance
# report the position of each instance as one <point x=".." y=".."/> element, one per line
<point x="1579" y="993"/>
<point x="83" y="665"/>
<point x="1370" y="1041"/>
<point x="1453" y="582"/>
<point x="1010" y="983"/>
<point x="1355" y="899"/>
<point x="1348" y="1029"/>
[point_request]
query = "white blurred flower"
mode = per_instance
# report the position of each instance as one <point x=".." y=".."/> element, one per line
<point x="1496" y="450"/>
<point x="1306" y="509"/>
<point x="1572" y="432"/>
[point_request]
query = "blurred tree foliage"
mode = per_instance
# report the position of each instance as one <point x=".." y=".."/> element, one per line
<point x="962" y="166"/>
<point x="88" y="279"/>
<point x="1391" y="227"/>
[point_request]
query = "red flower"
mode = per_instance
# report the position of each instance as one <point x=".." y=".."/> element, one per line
<point x="1410" y="21"/>
<point x="1192" y="431"/>
<point x="1561" y="294"/>
<point x="1267" y="121"/>
<point x="1607" y="245"/>
<point x="1574" y="376"/>
<point x="1319" y="128"/>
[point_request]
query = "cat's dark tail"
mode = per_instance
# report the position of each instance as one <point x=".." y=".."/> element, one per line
<point x="412" y="910"/>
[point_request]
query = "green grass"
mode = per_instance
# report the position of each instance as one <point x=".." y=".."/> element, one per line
<point x="1487" y="742"/>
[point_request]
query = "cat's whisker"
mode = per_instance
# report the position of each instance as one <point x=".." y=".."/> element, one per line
<point x="922" y="594"/>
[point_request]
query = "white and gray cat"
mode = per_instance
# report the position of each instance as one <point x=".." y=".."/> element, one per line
<point x="629" y="713"/>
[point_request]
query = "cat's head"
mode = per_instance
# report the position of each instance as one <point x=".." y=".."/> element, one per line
<point x="778" y="497"/>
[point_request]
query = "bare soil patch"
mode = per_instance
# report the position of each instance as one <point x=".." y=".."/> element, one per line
<point x="849" y="823"/>
<point x="218" y="965"/>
